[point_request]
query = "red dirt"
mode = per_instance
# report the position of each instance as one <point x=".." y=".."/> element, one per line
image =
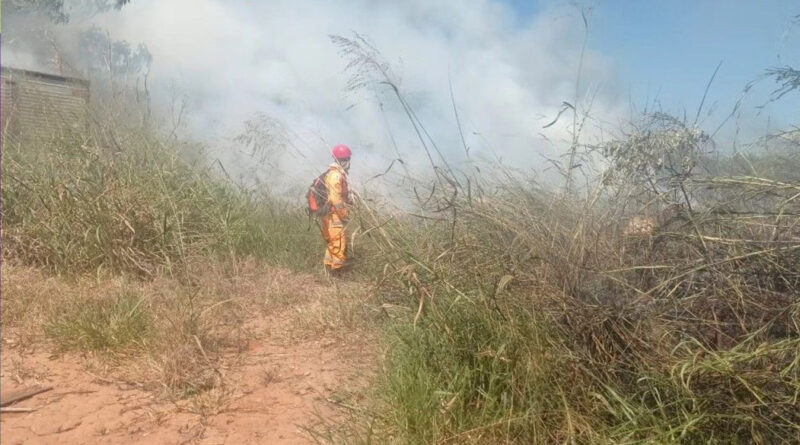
<point x="271" y="392"/>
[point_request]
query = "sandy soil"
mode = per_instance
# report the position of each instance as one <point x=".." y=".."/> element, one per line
<point x="272" y="392"/>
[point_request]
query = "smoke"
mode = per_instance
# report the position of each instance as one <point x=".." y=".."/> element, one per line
<point x="236" y="61"/>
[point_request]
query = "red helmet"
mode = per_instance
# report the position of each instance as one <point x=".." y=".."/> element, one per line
<point x="341" y="151"/>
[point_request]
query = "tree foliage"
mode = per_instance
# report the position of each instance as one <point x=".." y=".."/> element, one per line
<point x="115" y="57"/>
<point x="56" y="11"/>
<point x="658" y="155"/>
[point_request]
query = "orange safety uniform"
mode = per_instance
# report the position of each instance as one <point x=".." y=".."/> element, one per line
<point x="333" y="224"/>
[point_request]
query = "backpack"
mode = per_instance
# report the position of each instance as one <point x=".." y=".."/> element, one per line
<point x="317" y="197"/>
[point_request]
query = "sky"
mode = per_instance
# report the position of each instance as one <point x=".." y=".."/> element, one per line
<point x="668" y="51"/>
<point x="510" y="64"/>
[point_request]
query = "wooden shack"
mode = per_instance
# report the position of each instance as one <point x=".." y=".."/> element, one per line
<point x="42" y="105"/>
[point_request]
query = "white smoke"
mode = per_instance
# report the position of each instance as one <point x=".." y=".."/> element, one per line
<point x="509" y="77"/>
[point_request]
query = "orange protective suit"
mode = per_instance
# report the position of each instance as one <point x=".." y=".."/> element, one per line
<point x="333" y="224"/>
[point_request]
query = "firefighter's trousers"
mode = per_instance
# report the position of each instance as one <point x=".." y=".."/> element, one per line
<point x="333" y="231"/>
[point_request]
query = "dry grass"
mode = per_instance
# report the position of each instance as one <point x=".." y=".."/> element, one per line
<point x="518" y="315"/>
<point x="337" y="313"/>
<point x="73" y="205"/>
<point x="161" y="332"/>
<point x="144" y="256"/>
<point x="533" y="319"/>
<point x="529" y="317"/>
<point x="178" y="338"/>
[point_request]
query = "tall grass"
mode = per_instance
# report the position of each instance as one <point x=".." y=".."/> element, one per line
<point x="148" y="239"/>
<point x="533" y="318"/>
<point x="76" y="203"/>
<point x="530" y="317"/>
<point x="538" y="321"/>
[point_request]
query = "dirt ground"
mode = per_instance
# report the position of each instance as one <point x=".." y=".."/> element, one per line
<point x="273" y="392"/>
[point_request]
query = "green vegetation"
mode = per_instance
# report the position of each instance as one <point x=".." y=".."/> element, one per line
<point x="516" y="313"/>
<point x="541" y="322"/>
<point x="76" y="205"/>
<point x="137" y="252"/>
<point x="102" y="325"/>
<point x="657" y="303"/>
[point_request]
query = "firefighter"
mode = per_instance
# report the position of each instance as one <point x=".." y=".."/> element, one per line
<point x="333" y="223"/>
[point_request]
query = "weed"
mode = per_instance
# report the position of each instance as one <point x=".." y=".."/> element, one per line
<point x="113" y="323"/>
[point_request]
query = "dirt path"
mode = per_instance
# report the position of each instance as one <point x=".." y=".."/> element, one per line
<point x="271" y="392"/>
